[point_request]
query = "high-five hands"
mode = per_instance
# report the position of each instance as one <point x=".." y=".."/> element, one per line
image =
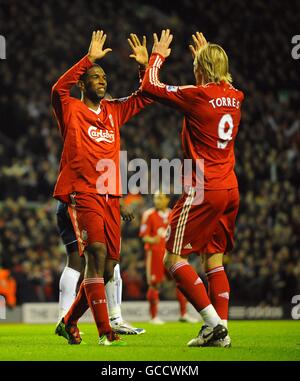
<point x="199" y="41"/>
<point x="96" y="51"/>
<point x="139" y="51"/>
<point x="161" y="46"/>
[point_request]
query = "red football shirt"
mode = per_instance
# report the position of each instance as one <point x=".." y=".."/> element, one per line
<point x="212" y="114"/>
<point x="89" y="136"/>
<point x="155" y="222"/>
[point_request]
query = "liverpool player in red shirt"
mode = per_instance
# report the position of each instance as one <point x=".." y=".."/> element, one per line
<point x="90" y="131"/>
<point x="212" y="112"/>
<point x="153" y="232"/>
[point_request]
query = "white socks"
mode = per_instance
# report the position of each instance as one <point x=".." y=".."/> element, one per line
<point x="210" y="316"/>
<point x="113" y="290"/>
<point x="118" y="284"/>
<point x="67" y="293"/>
<point x="225" y="323"/>
<point x="67" y="289"/>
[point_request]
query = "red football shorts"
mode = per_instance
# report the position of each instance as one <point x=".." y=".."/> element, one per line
<point x="96" y="218"/>
<point x="204" y="228"/>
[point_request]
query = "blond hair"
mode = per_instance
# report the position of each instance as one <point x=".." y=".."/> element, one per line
<point x="213" y="63"/>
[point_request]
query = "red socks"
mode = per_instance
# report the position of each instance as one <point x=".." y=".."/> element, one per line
<point x="153" y="298"/>
<point x="190" y="285"/>
<point x="218" y="290"/>
<point x="95" y="294"/>
<point x="91" y="294"/>
<point x="78" y="308"/>
<point x="182" y="301"/>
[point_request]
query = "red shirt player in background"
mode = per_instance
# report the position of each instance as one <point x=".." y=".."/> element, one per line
<point x="153" y="232"/>
<point x="90" y="131"/>
<point x="212" y="112"/>
<point x="8" y="288"/>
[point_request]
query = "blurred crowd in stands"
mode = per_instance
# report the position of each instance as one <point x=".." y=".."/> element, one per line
<point x="45" y="38"/>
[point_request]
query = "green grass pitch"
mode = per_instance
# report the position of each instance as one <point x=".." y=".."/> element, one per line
<point x="251" y="340"/>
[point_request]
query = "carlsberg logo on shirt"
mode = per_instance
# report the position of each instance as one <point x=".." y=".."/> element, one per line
<point x="100" y="135"/>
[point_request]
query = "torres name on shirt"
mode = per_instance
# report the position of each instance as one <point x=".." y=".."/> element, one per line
<point x="212" y="114"/>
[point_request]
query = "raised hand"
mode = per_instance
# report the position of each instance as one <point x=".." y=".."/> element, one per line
<point x="162" y="46"/>
<point x="199" y="41"/>
<point x="139" y="51"/>
<point x="96" y="51"/>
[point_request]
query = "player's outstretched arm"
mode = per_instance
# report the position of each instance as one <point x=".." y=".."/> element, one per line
<point x="179" y="97"/>
<point x="61" y="89"/>
<point x="126" y="108"/>
<point x="60" y="94"/>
